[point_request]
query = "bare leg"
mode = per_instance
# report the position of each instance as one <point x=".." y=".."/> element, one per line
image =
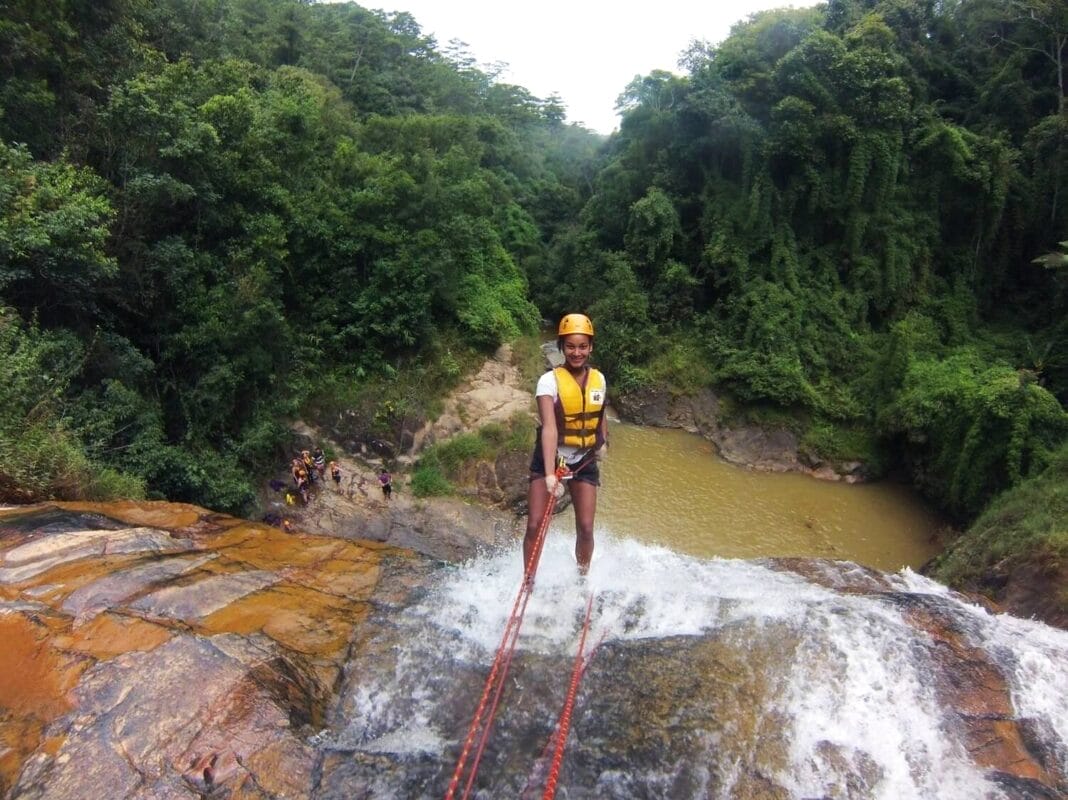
<point x="584" y="499"/>
<point x="537" y="498"/>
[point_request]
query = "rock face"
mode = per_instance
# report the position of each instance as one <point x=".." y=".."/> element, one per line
<point x="752" y="446"/>
<point x="176" y="653"/>
<point x="442" y="528"/>
<point x="494" y="394"/>
<point x="188" y="659"/>
<point x="1029" y="589"/>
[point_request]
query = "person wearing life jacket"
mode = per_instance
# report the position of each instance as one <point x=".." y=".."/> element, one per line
<point x="571" y="411"/>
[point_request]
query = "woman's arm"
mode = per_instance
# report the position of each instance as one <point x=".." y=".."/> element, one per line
<point x="547" y="417"/>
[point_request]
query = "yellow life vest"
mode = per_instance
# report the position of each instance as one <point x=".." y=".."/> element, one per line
<point x="578" y="412"/>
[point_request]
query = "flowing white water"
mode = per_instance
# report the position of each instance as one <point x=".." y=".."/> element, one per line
<point x="858" y="712"/>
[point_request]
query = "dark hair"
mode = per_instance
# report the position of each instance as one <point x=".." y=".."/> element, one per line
<point x="560" y="340"/>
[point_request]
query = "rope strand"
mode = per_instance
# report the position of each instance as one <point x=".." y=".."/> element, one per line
<point x="569" y="705"/>
<point x="501" y="663"/>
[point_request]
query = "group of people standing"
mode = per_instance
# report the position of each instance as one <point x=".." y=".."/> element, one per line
<point x="307" y="469"/>
<point x="311" y="467"/>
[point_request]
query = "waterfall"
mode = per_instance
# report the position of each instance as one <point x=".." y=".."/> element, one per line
<point x="713" y="678"/>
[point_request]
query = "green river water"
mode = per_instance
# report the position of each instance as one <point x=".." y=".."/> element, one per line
<point x="668" y="487"/>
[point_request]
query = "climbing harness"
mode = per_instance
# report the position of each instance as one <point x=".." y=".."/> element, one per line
<point x="482" y="722"/>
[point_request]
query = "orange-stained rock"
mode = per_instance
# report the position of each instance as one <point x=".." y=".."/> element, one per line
<point x="300" y="619"/>
<point x="213" y="638"/>
<point x="19" y="736"/>
<point x="35" y="678"/>
<point x="43" y="553"/>
<point x="36" y="675"/>
<point x="202" y="596"/>
<point x="109" y="635"/>
<point x="972" y="686"/>
<point x="123" y="585"/>
<point x="172" y="516"/>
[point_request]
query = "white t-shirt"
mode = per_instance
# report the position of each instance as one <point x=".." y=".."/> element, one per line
<point x="547" y="386"/>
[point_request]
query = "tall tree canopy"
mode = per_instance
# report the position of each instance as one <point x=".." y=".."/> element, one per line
<point x="242" y="198"/>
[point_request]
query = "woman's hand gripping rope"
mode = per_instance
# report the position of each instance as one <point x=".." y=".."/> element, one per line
<point x="554" y="482"/>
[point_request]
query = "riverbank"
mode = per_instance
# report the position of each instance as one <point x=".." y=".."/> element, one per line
<point x="763" y="448"/>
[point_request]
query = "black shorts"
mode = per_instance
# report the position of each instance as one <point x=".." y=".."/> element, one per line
<point x="588" y="471"/>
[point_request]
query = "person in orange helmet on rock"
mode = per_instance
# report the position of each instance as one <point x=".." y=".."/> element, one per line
<point x="573" y="430"/>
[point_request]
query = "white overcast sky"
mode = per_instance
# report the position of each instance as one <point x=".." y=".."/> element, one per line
<point x="586" y="51"/>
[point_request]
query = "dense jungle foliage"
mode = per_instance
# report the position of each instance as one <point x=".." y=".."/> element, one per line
<point x="217" y="214"/>
<point x="854" y="212"/>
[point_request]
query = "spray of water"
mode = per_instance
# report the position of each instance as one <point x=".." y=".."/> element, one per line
<point x="859" y="714"/>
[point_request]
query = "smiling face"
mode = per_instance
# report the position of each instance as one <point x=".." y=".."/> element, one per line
<point x="576" y="348"/>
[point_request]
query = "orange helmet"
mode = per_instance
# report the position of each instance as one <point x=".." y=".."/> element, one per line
<point x="575" y="323"/>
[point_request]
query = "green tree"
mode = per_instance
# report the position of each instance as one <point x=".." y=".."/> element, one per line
<point x="54" y="219"/>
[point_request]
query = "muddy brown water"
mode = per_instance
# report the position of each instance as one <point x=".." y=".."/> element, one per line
<point x="667" y="487"/>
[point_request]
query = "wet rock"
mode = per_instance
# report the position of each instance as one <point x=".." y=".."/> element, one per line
<point x="46" y="552"/>
<point x="645" y="708"/>
<point x="113" y="589"/>
<point x="199" y="599"/>
<point x="153" y="720"/>
<point x="48" y="520"/>
<point x="841" y="576"/>
<point x="975" y="690"/>
<point x="1017" y="788"/>
<point x="1043" y="743"/>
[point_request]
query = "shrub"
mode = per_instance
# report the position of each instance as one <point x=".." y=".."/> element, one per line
<point x="1026" y="523"/>
<point x="429" y="481"/>
<point x="840" y="443"/>
<point x="972" y="429"/>
<point x="40" y="458"/>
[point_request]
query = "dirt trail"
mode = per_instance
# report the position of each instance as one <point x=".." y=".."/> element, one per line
<point x="447" y="528"/>
<point x="495" y="393"/>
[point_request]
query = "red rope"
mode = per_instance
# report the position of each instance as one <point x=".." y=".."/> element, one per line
<point x="541" y="766"/>
<point x="569" y="705"/>
<point x="501" y="663"/>
<point x="540" y="769"/>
